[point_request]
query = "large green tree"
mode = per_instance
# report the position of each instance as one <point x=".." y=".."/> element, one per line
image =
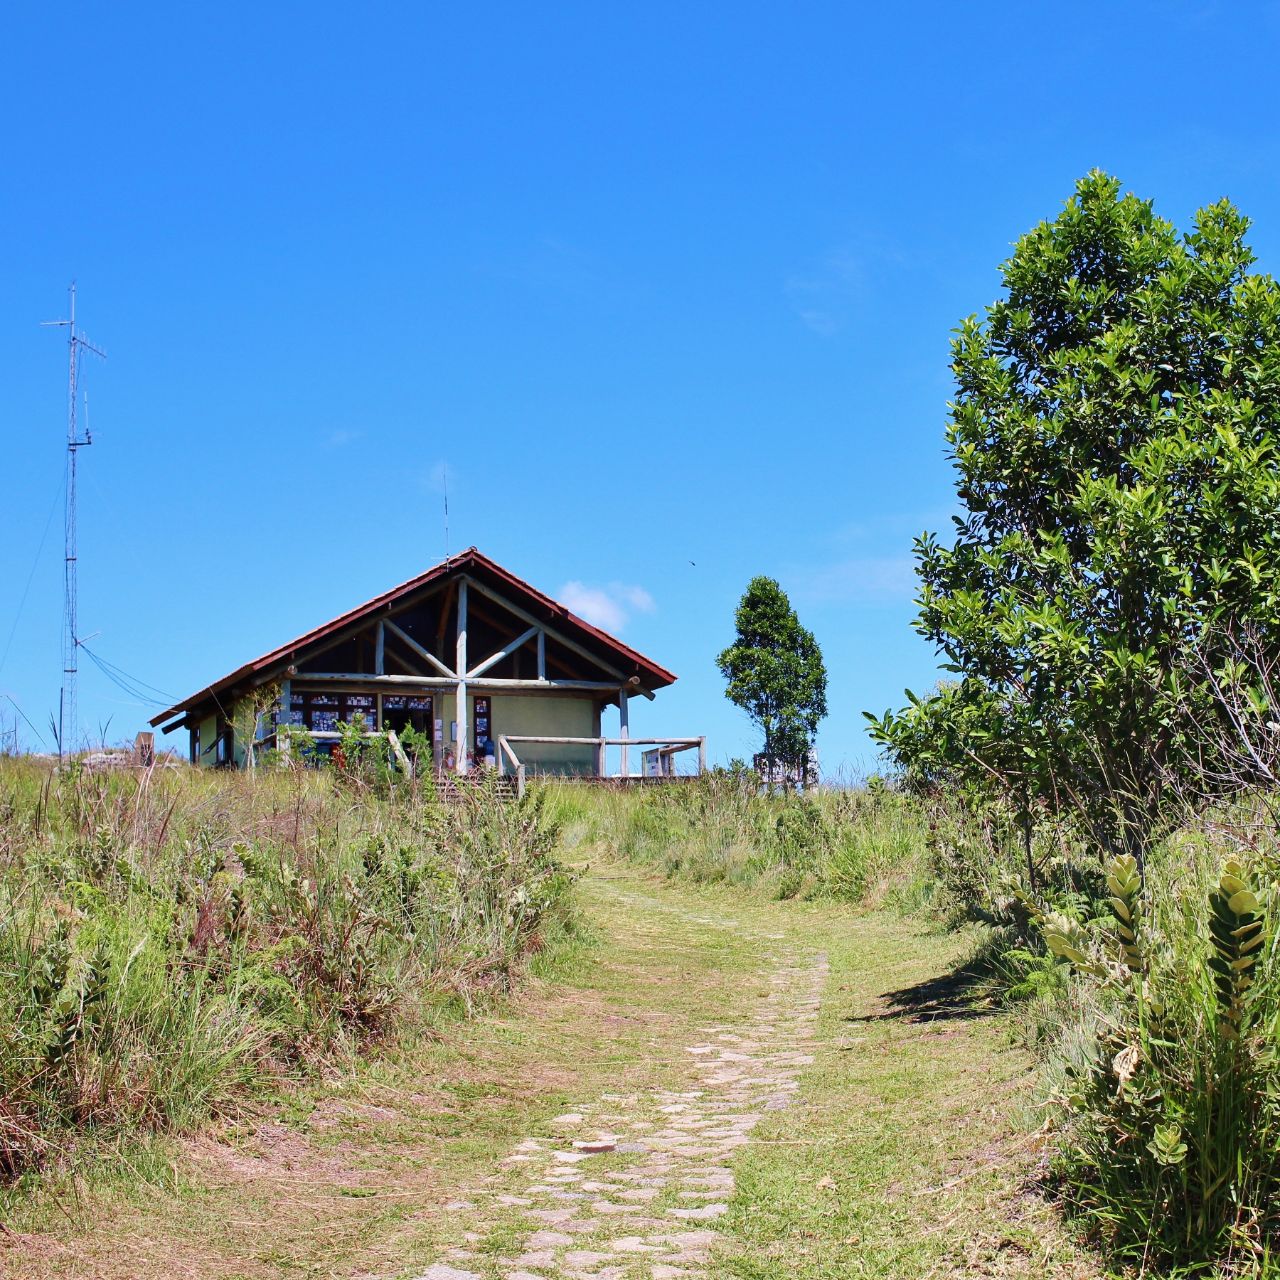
<point x="775" y="672"/>
<point x="1114" y="435"/>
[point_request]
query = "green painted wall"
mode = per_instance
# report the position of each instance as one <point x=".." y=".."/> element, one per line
<point x="208" y="739"/>
<point x="557" y="716"/>
<point x="546" y="714"/>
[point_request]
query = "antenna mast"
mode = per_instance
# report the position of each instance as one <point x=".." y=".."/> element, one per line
<point x="76" y="344"/>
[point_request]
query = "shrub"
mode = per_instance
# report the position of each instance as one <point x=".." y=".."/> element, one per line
<point x="170" y="943"/>
<point x="1170" y="1106"/>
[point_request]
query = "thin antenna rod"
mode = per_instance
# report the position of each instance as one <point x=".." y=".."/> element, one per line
<point x="76" y="344"/>
<point x="444" y="481"/>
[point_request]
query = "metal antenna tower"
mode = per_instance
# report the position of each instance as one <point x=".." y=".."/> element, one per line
<point x="444" y="480"/>
<point x="77" y="344"/>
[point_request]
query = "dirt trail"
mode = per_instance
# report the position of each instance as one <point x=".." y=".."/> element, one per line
<point x="646" y="1173"/>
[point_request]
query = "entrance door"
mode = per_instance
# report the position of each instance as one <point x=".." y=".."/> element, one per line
<point x="402" y="711"/>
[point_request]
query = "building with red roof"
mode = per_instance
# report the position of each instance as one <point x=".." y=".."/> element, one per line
<point x="466" y="656"/>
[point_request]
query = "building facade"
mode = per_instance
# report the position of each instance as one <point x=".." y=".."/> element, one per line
<point x="466" y="655"/>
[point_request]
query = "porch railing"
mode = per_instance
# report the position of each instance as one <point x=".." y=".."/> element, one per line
<point x="659" y="757"/>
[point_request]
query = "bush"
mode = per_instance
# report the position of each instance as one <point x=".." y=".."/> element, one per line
<point x="171" y="942"/>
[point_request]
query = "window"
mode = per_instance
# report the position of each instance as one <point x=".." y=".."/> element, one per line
<point x="321" y="712"/>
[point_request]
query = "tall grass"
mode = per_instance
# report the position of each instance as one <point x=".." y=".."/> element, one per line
<point x="724" y="828"/>
<point x="170" y="942"/>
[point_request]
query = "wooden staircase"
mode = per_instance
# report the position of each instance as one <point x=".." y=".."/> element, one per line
<point x="454" y="788"/>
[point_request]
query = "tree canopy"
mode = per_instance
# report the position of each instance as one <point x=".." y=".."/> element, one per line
<point x="1114" y="440"/>
<point x="775" y="672"/>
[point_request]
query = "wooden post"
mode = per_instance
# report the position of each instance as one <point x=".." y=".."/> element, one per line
<point x="284" y="716"/>
<point x="702" y="756"/>
<point x="624" y="732"/>
<point x="398" y="752"/>
<point x="460" y="666"/>
<point x="379" y="650"/>
<point x="542" y="654"/>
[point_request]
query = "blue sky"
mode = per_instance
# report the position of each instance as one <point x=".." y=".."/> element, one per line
<point x="653" y="283"/>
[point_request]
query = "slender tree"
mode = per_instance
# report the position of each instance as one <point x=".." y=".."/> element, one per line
<point x="775" y="672"/>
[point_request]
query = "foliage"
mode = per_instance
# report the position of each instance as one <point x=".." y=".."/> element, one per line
<point x="171" y="943"/>
<point x="1114" y="439"/>
<point x="416" y="744"/>
<point x="775" y="672"/>
<point x="1170" y="1106"/>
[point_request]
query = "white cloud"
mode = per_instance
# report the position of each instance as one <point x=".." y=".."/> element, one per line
<point x="609" y="606"/>
<point x="859" y="580"/>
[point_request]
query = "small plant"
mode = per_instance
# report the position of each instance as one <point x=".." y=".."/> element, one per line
<point x="1124" y="886"/>
<point x="1236" y="928"/>
<point x="1170" y="1122"/>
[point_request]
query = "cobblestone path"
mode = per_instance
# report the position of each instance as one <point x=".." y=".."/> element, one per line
<point x="632" y="1186"/>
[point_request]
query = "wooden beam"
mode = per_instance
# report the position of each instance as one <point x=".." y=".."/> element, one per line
<point x="450" y="681"/>
<point x="380" y="649"/>
<point x="443" y="623"/>
<point x="624" y="732"/>
<point x="506" y="652"/>
<point x="675" y="744"/>
<point x="420" y="650"/>
<point x="551" y="631"/>
<point x="399" y="752"/>
<point x="406" y="658"/>
<point x="460" y="664"/>
<point x="282" y="667"/>
<point x="475" y="612"/>
<point x="306" y="653"/>
<point x="542" y="654"/>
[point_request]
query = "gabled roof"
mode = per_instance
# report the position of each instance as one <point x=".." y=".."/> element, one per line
<point x="480" y="567"/>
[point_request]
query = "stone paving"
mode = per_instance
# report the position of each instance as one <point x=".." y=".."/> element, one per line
<point x="631" y="1187"/>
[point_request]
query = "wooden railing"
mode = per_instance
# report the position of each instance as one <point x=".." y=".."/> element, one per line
<point x="664" y="750"/>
